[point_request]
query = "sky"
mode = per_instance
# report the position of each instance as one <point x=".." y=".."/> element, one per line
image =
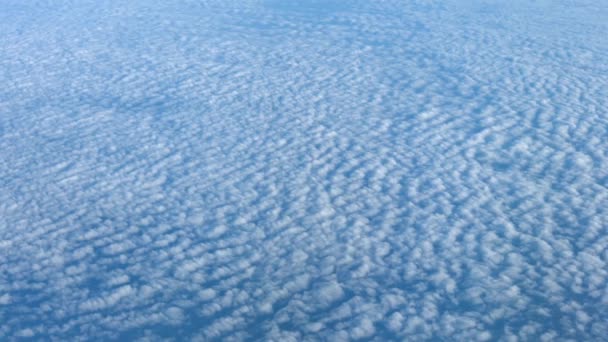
<point x="284" y="170"/>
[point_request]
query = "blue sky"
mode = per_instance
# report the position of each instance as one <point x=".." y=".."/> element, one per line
<point x="303" y="170"/>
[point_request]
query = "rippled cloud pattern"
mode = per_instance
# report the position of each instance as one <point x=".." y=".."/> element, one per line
<point x="303" y="170"/>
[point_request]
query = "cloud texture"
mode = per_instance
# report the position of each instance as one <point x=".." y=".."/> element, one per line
<point x="303" y="170"/>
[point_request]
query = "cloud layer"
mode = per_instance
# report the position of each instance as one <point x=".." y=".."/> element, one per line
<point x="303" y="170"/>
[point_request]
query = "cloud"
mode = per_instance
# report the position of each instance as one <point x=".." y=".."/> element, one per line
<point x="303" y="170"/>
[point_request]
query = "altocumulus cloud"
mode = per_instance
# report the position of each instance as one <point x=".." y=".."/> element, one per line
<point x="303" y="170"/>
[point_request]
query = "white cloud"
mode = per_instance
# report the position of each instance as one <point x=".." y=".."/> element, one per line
<point x="303" y="170"/>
